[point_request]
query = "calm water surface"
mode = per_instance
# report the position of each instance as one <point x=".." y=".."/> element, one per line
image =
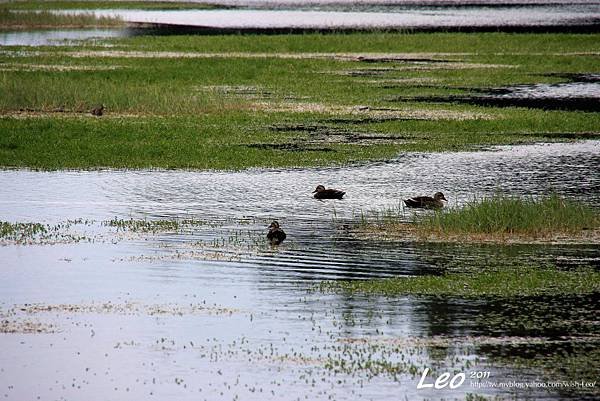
<point x="405" y="17"/>
<point x="61" y="37"/>
<point x="167" y="316"/>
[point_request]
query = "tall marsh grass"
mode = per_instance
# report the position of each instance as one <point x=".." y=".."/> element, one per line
<point x="46" y="19"/>
<point x="501" y="214"/>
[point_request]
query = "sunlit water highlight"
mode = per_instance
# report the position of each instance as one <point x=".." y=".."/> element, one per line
<point x="416" y="17"/>
<point x="58" y="37"/>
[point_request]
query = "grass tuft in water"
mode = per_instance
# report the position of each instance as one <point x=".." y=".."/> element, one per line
<point x="501" y="214"/>
<point x="16" y="231"/>
<point x="152" y="226"/>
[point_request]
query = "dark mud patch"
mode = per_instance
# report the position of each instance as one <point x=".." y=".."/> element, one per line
<point x="567" y="135"/>
<point x="582" y="93"/>
<point x="319" y="134"/>
<point x="591" y="77"/>
<point x="331" y="130"/>
<point x="289" y="147"/>
<point x="391" y="59"/>
<point x="591" y="104"/>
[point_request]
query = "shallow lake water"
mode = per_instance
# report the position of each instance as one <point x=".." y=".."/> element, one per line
<point x="404" y="17"/>
<point x="213" y="313"/>
<point x="59" y="37"/>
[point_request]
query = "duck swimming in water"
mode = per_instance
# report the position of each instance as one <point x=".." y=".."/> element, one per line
<point x="275" y="235"/>
<point x="322" y="193"/>
<point x="426" y="202"/>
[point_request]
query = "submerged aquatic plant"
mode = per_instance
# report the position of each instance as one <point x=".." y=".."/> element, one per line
<point x="154" y="226"/>
<point x="28" y="233"/>
<point x="17" y="231"/>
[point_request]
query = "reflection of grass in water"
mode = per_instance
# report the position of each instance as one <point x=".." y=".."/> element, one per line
<point x="578" y="363"/>
<point x="46" y="19"/>
<point x="511" y="282"/>
<point x="503" y="214"/>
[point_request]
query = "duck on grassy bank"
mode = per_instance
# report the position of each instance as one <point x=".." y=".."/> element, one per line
<point x="98" y="111"/>
<point x="275" y="235"/>
<point x="322" y="193"/>
<point x="426" y="202"/>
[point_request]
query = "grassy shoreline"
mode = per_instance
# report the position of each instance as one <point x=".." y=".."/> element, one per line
<point x="27" y="20"/>
<point x="495" y="219"/>
<point x="510" y="215"/>
<point x="525" y="281"/>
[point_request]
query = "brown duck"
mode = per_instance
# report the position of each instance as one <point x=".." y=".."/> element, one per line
<point x="322" y="193"/>
<point x="98" y="111"/>
<point x="275" y="235"/>
<point x="426" y="202"/>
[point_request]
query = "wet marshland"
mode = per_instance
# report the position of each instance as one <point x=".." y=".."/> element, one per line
<point x="155" y="284"/>
<point x="204" y="309"/>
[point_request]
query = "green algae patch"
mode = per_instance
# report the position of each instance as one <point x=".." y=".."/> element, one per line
<point x="511" y="282"/>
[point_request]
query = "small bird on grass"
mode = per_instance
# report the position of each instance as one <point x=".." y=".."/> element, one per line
<point x="426" y="202"/>
<point x="322" y="193"/>
<point x="98" y="110"/>
<point x="275" y="235"/>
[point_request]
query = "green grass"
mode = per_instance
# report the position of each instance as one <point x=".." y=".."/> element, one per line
<point x="10" y="20"/>
<point x="511" y="282"/>
<point x="500" y="47"/>
<point x="203" y="143"/>
<point x="501" y="214"/>
<point x="185" y="112"/>
<point x="98" y="5"/>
